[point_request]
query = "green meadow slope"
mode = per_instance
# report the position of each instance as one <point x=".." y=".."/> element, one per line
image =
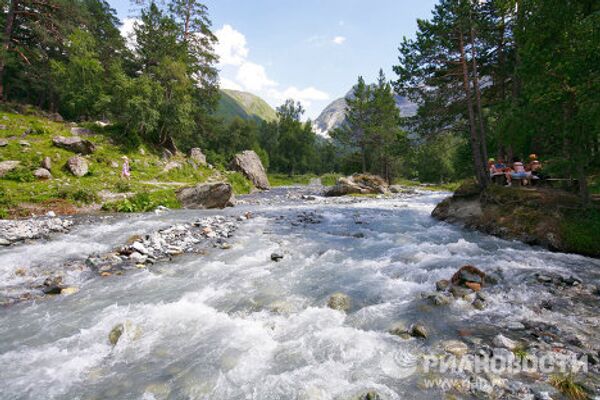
<point x="26" y="137"/>
<point x="244" y="105"/>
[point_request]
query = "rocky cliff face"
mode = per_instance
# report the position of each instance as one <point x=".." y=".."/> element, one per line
<point x="333" y="116"/>
<point x="543" y="217"/>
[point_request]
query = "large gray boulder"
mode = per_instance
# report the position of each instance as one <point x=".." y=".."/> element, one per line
<point x="248" y="163"/>
<point x="197" y="156"/>
<point x="42" y="174"/>
<point x="7" y="166"/>
<point x="74" y="144"/>
<point x="208" y="195"/>
<point x="78" y="166"/>
<point x="358" y="184"/>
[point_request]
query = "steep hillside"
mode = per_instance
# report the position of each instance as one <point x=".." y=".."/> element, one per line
<point x="333" y="115"/>
<point x="27" y="144"/>
<point x="244" y="105"/>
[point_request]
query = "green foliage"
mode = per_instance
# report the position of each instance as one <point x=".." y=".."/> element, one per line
<point x="20" y="174"/>
<point x="239" y="183"/>
<point x="78" y="194"/>
<point x="520" y="352"/>
<point x="286" y="180"/>
<point x="329" y="179"/>
<point x="373" y="131"/>
<point x="123" y="186"/>
<point x="542" y="91"/>
<point x="437" y="160"/>
<point x="144" y="201"/>
<point x="580" y="230"/>
<point x="80" y="80"/>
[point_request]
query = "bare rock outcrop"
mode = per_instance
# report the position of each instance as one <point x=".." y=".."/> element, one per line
<point x="248" y="163"/>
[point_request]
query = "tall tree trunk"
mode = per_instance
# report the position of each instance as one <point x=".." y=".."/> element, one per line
<point x="482" y="138"/>
<point x="475" y="143"/>
<point x="6" y="38"/>
<point x="363" y="154"/>
<point x="188" y="16"/>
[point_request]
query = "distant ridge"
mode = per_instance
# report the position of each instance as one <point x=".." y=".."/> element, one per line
<point x="235" y="103"/>
<point x="334" y="115"/>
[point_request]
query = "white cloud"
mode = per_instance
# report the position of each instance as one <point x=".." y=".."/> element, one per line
<point x="253" y="77"/>
<point x="239" y="73"/>
<point x="231" y="47"/>
<point x="305" y="96"/>
<point x="229" y="84"/>
<point x="339" y="40"/>
<point x="127" y="31"/>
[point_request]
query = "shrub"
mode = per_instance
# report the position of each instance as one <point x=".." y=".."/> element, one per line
<point x="20" y="174"/>
<point x="240" y="184"/>
<point x="580" y="230"/>
<point x="79" y="195"/>
<point x="329" y="179"/>
<point x="142" y="202"/>
<point x="567" y="386"/>
<point x="123" y="187"/>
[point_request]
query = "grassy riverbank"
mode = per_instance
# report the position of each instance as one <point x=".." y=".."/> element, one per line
<point x="28" y="139"/>
<point x="540" y="216"/>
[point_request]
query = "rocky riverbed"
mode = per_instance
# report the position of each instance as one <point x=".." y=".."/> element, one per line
<point x="293" y="295"/>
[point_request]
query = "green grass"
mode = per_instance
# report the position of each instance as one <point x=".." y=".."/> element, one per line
<point x="580" y="230"/>
<point x="239" y="183"/>
<point x="330" y="179"/>
<point x="520" y="352"/>
<point x="286" y="180"/>
<point x="147" y="167"/>
<point x="594" y="184"/>
<point x="244" y="105"/>
<point x="567" y="385"/>
<point x="446" y="187"/>
<point x="144" y="201"/>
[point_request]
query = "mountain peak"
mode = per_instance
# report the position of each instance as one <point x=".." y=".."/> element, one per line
<point x="334" y="115"/>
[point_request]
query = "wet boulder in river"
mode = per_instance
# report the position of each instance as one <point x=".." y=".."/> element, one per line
<point x="115" y="334"/>
<point x="442" y="285"/>
<point x="249" y="164"/>
<point x="339" y="301"/>
<point x="209" y="195"/>
<point x="358" y="184"/>
<point x="419" y="331"/>
<point x="468" y="273"/>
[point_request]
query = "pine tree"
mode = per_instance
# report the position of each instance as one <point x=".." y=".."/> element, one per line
<point x="384" y="136"/>
<point x="358" y="109"/>
<point x="437" y="71"/>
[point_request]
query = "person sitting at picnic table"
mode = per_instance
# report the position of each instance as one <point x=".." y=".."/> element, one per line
<point x="491" y="162"/>
<point x="534" y="167"/>
<point x="496" y="168"/>
<point x="517" y="172"/>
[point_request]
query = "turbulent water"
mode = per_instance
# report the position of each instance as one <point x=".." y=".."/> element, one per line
<point x="232" y="324"/>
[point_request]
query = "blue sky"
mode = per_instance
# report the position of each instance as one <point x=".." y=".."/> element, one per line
<point x="310" y="50"/>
